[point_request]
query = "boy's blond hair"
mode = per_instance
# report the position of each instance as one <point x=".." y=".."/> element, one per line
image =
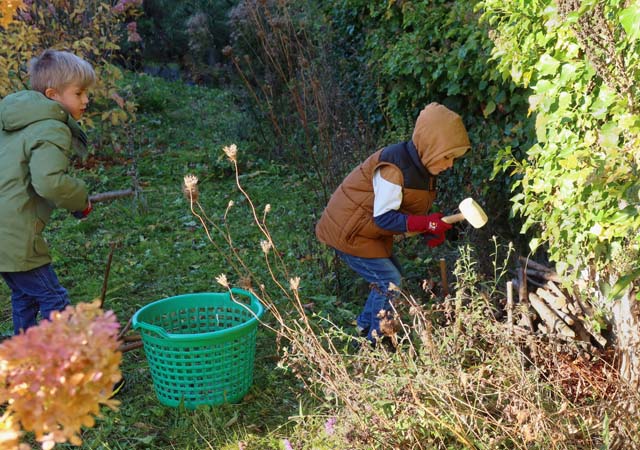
<point x="58" y="69"/>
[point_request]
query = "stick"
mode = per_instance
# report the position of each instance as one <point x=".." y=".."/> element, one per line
<point x="443" y="276"/>
<point x="552" y="321"/>
<point x="132" y="337"/>
<point x="124" y="330"/>
<point x="552" y="300"/>
<point x="510" y="306"/>
<point x="555" y="305"/>
<point x="110" y="195"/>
<point x="534" y="265"/>
<point x="106" y="275"/>
<point x="524" y="297"/>
<point x="547" y="276"/>
<point x="556" y="290"/>
<point x="601" y="340"/>
<point x="130" y="346"/>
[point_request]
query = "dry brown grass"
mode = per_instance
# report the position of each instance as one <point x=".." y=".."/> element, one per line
<point x="458" y="378"/>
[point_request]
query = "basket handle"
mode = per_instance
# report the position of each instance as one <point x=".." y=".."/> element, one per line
<point x="154" y="328"/>
<point x="239" y="291"/>
<point x="252" y="297"/>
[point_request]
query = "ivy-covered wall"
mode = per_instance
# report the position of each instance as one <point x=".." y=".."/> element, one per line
<point x="579" y="183"/>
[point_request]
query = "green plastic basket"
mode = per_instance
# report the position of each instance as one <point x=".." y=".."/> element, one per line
<point x="200" y="347"/>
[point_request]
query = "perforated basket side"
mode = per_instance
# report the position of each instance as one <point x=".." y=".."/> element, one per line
<point x="211" y="373"/>
<point x="200" y="347"/>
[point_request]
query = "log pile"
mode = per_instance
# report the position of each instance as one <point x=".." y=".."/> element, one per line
<point x="548" y="308"/>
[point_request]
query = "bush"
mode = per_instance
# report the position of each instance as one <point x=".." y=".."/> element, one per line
<point x="579" y="186"/>
<point x="414" y="52"/>
<point x="283" y="55"/>
<point x="192" y="32"/>
<point x="91" y="30"/>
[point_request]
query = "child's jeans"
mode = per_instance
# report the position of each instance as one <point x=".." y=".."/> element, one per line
<point x="379" y="272"/>
<point x="33" y="291"/>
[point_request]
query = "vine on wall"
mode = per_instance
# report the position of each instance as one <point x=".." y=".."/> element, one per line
<point x="579" y="184"/>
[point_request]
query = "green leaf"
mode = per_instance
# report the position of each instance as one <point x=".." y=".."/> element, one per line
<point x="543" y="86"/>
<point x="534" y="244"/>
<point x="622" y="284"/>
<point x="564" y="100"/>
<point x="547" y="65"/>
<point x="491" y="107"/>
<point x="567" y="73"/>
<point x="609" y="135"/>
<point x="629" y="19"/>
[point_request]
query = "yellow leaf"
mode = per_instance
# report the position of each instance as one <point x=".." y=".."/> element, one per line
<point x="76" y="379"/>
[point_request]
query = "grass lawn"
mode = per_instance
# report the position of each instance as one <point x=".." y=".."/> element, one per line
<point x="163" y="251"/>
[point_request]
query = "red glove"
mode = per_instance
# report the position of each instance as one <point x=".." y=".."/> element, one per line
<point x="83" y="214"/>
<point x="433" y="240"/>
<point x="431" y="224"/>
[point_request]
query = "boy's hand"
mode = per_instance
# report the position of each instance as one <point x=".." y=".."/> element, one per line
<point x="83" y="214"/>
<point x="434" y="240"/>
<point x="431" y="224"/>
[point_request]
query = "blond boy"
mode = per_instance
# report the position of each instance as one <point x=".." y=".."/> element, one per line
<point x="38" y="132"/>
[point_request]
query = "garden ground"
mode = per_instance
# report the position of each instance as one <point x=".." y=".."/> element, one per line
<point x="162" y="250"/>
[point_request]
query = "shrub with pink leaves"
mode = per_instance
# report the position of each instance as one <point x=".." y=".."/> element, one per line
<point x="55" y="376"/>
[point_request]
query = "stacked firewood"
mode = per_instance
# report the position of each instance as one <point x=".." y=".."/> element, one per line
<point x="548" y="308"/>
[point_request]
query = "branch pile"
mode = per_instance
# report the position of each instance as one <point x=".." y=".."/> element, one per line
<point x="548" y="308"/>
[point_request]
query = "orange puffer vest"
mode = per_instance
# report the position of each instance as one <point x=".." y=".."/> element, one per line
<point x="347" y="222"/>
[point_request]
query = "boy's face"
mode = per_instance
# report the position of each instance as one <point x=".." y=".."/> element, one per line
<point x="446" y="162"/>
<point x="74" y="98"/>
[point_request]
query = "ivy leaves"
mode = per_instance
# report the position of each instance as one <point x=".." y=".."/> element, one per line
<point x="629" y="19"/>
<point x="578" y="180"/>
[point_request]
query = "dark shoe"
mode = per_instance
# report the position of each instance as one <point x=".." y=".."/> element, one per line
<point x="362" y="332"/>
<point x="357" y="341"/>
<point x="387" y="343"/>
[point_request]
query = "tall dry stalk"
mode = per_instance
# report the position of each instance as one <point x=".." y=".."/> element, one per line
<point x="293" y="78"/>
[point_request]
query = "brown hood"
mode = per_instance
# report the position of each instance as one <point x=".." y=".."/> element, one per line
<point x="438" y="132"/>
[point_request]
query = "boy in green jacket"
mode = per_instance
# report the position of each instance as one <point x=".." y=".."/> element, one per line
<point x="38" y="131"/>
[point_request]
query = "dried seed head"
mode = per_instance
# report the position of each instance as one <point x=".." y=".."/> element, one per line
<point x="246" y="283"/>
<point x="267" y="208"/>
<point x="231" y="151"/>
<point x="294" y="283"/>
<point x="266" y="246"/>
<point x="190" y="187"/>
<point x="227" y="51"/>
<point x="389" y="324"/>
<point x="222" y="280"/>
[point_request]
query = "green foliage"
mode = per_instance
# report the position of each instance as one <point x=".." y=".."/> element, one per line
<point x="579" y="184"/>
<point x="93" y="30"/>
<point x="419" y="51"/>
<point x="192" y="32"/>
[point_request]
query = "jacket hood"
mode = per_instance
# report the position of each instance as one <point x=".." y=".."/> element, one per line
<point x="437" y="133"/>
<point x="19" y="110"/>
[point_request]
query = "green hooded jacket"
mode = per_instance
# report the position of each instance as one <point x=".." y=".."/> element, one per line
<point x="36" y="137"/>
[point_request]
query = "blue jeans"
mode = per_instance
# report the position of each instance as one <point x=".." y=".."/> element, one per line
<point x="33" y="291"/>
<point x="379" y="272"/>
